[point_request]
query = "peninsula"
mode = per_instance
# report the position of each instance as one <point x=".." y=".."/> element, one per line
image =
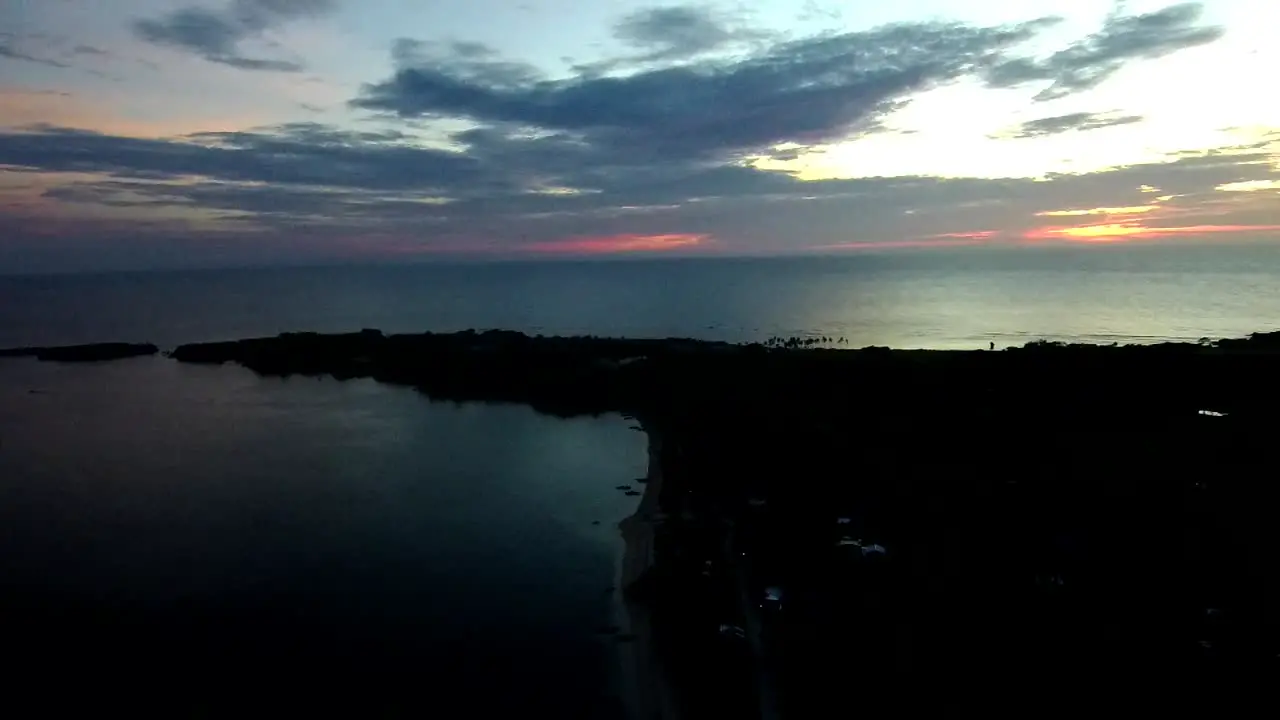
<point x="1048" y="515"/>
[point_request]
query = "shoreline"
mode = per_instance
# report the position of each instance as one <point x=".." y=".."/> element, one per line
<point x="646" y="689"/>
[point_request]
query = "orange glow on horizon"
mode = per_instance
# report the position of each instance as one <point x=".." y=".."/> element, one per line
<point x="1129" y="210"/>
<point x="974" y="235"/>
<point x="1119" y="232"/>
<point x="621" y="243"/>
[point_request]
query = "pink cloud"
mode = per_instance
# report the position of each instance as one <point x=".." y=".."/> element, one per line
<point x="625" y="243"/>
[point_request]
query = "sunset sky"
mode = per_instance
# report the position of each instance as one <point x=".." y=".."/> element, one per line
<point x="161" y="133"/>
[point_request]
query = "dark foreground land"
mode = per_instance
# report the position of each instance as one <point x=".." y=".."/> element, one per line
<point x="1095" y="521"/>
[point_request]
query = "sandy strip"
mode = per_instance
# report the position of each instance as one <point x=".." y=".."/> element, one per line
<point x="646" y="690"/>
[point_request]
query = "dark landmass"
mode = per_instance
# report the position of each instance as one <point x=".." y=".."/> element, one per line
<point x="1092" y="521"/>
<point x="1049" y="515"/>
<point x="95" y="352"/>
<point x="559" y="376"/>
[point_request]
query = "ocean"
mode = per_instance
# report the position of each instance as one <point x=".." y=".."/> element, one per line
<point x="962" y="298"/>
<point x="157" y="516"/>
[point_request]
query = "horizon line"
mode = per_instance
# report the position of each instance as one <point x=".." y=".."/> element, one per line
<point x="849" y="250"/>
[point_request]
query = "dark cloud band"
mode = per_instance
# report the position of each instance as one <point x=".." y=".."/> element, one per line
<point x="216" y="35"/>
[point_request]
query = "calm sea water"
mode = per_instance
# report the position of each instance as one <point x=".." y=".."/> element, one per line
<point x="443" y="555"/>
<point x="157" y="518"/>
<point x="906" y="299"/>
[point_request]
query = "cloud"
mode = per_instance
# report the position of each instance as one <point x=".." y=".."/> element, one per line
<point x="681" y="31"/>
<point x="469" y="63"/>
<point x="1058" y="124"/>
<point x="1117" y="232"/>
<point x="673" y="34"/>
<point x="299" y="154"/>
<point x="1126" y="210"/>
<point x="803" y="91"/>
<point x="972" y="235"/>
<point x="1250" y="186"/>
<point x="1123" y="38"/>
<point x="56" y="51"/>
<point x="655" y="156"/>
<point x="628" y="243"/>
<point x="372" y="192"/>
<point x="9" y="51"/>
<point x="90" y="50"/>
<point x="813" y="10"/>
<point x="676" y="30"/>
<point x="217" y="35"/>
<point x="632" y="163"/>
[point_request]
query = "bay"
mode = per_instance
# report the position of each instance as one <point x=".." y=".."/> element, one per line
<point x="206" y="529"/>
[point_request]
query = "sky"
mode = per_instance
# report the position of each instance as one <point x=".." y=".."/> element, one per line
<point x="170" y="133"/>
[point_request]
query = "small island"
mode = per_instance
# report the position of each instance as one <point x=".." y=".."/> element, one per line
<point x="93" y="352"/>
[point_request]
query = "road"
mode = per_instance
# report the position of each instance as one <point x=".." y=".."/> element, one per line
<point x="754" y="626"/>
<point x="755" y="630"/>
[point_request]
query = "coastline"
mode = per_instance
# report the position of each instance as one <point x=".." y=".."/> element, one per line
<point x="647" y="691"/>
